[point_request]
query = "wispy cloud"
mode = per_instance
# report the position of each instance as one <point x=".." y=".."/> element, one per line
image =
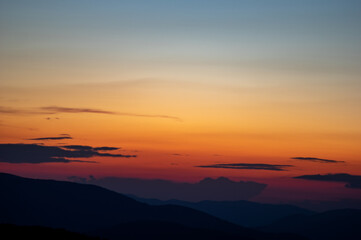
<point x="13" y="111"/>
<point x="61" y="137"/>
<point x="253" y="166"/>
<point x="180" y="155"/>
<point x="352" y="181"/>
<point x="49" y="118"/>
<point x="97" y="151"/>
<point x="105" y="148"/>
<point x="57" y="109"/>
<point x="313" y="159"/>
<point x="35" y="153"/>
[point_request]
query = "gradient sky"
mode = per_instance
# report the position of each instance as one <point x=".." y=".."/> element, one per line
<point x="185" y="83"/>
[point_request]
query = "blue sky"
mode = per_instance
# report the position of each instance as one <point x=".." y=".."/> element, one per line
<point x="326" y="33"/>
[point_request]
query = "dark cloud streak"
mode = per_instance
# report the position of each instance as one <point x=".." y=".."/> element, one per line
<point x="50" y="110"/>
<point x="95" y="151"/>
<point x="180" y="155"/>
<point x="35" y="153"/>
<point x="313" y="159"/>
<point x="252" y="166"/>
<point x="8" y="110"/>
<point x="56" y="109"/>
<point x="106" y="148"/>
<point x="78" y="147"/>
<point x="50" y="138"/>
<point x="352" y="181"/>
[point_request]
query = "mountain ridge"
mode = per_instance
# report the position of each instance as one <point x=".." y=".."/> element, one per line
<point x="83" y="208"/>
<point x="241" y="212"/>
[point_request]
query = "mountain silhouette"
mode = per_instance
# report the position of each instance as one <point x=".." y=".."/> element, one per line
<point x="85" y="208"/>
<point x="220" y="189"/>
<point x="337" y="224"/>
<point x="245" y="213"/>
<point x="159" y="230"/>
<point x="323" y="206"/>
<point x="10" y="231"/>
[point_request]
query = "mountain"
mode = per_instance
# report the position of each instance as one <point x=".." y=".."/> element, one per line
<point x="337" y="224"/>
<point x="39" y="233"/>
<point x="133" y="230"/>
<point x="159" y="230"/>
<point x="220" y="189"/>
<point x="245" y="213"/>
<point x="323" y="206"/>
<point x="84" y="208"/>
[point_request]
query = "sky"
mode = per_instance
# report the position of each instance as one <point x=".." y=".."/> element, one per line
<point x="190" y="88"/>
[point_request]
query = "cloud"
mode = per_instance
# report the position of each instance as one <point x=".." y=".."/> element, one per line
<point x="106" y="148"/>
<point x="352" y="181"/>
<point x="253" y="166"/>
<point x="180" y="155"/>
<point x="49" y="118"/>
<point x="61" y="137"/>
<point x="78" y="147"/>
<point x="95" y="151"/>
<point x="35" y="153"/>
<point x="84" y="147"/>
<point x="56" y="109"/>
<point x="207" y="189"/>
<point x="8" y="110"/>
<point x="317" y="160"/>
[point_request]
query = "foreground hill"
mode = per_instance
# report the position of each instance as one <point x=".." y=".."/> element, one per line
<point x="159" y="230"/>
<point x="88" y="208"/>
<point x="337" y="224"/>
<point x="39" y="233"/>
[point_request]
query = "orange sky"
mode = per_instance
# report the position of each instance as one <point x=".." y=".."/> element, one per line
<point x="202" y="84"/>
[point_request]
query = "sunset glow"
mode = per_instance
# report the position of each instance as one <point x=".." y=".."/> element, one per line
<point x="184" y="84"/>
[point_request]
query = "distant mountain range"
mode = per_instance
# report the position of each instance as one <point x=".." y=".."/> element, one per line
<point x="100" y="212"/>
<point x="219" y="189"/>
<point x="323" y="206"/>
<point x="216" y="190"/>
<point x="331" y="225"/>
<point x="47" y="209"/>
<point x="245" y="213"/>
